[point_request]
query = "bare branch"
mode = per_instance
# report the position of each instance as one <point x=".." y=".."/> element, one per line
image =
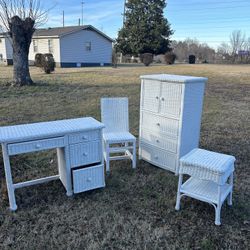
<point x="23" y="9"/>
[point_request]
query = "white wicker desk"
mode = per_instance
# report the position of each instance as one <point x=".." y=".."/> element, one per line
<point x="78" y="143"/>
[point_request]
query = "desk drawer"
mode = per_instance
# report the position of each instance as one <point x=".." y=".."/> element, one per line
<point x="84" y="136"/>
<point x="85" y="179"/>
<point x="85" y="153"/>
<point x="32" y="146"/>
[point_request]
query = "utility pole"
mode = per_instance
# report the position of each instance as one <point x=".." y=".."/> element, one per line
<point x="63" y="18"/>
<point x="82" y="11"/>
<point x="124" y="10"/>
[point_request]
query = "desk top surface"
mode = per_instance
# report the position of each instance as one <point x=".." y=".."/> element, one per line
<point x="40" y="130"/>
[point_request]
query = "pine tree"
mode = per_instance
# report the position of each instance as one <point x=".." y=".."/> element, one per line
<point x="145" y="29"/>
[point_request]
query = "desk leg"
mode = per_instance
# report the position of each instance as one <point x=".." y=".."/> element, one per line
<point x="69" y="187"/>
<point x="8" y="176"/>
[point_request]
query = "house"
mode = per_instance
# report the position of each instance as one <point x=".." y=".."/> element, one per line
<point x="72" y="46"/>
<point x="5" y="50"/>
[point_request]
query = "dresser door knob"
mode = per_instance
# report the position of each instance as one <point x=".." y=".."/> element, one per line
<point x="89" y="179"/>
<point x="162" y="99"/>
<point x="157" y="97"/>
<point x="84" y="137"/>
<point x="85" y="154"/>
<point x="158" y="124"/>
<point x="157" y="141"/>
<point x="156" y="157"/>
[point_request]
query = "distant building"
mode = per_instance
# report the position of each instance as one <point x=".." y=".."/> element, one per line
<point x="73" y="46"/>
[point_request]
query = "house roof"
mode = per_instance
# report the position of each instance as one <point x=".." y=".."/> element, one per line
<point x="62" y="31"/>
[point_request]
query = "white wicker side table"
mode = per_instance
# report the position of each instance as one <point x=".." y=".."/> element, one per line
<point x="211" y="178"/>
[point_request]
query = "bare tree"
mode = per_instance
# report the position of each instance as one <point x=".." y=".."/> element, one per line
<point x="237" y="40"/>
<point x="20" y="18"/>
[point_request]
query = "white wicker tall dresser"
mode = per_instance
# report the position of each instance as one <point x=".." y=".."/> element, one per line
<point x="170" y="118"/>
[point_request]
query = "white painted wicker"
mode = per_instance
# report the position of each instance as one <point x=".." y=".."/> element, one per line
<point x="170" y="116"/>
<point x="116" y="136"/>
<point x="207" y="165"/>
<point x="78" y="142"/>
<point x="211" y="178"/>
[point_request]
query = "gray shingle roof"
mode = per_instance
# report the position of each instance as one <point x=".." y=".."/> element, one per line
<point x="62" y="31"/>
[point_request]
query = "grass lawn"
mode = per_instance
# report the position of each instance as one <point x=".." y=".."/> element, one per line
<point x="136" y="209"/>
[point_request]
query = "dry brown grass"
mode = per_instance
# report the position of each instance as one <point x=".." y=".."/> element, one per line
<point x="136" y="209"/>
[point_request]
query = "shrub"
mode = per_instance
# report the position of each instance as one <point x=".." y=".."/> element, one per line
<point x="147" y="58"/>
<point x="48" y="63"/>
<point x="170" y="57"/>
<point x="191" y="59"/>
<point x="38" y="60"/>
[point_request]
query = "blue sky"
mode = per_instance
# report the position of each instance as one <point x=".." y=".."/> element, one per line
<point x="209" y="21"/>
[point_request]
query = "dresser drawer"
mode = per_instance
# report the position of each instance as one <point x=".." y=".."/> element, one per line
<point x="32" y="146"/>
<point x="160" y="158"/>
<point x="88" y="178"/>
<point x="160" y="124"/>
<point x="85" y="153"/>
<point x="159" y="140"/>
<point x="84" y="136"/>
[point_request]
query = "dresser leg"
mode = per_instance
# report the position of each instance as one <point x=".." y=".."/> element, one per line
<point x="9" y="181"/>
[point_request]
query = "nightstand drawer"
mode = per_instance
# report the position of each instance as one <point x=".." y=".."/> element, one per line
<point x="38" y="145"/>
<point x="84" y="136"/>
<point x="85" y="179"/>
<point x="85" y="153"/>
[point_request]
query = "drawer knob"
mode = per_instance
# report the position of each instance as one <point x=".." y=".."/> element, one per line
<point x="38" y="145"/>
<point x="157" y="141"/>
<point x="157" y="97"/>
<point x="156" y="157"/>
<point x="89" y="179"/>
<point x="162" y="99"/>
<point x="158" y="124"/>
<point x="84" y="137"/>
<point x="84" y="154"/>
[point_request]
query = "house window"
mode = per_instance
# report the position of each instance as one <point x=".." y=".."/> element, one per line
<point x="50" y="45"/>
<point x="88" y="46"/>
<point x="35" y="46"/>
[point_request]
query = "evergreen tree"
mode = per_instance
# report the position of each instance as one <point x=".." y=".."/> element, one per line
<point x="145" y="29"/>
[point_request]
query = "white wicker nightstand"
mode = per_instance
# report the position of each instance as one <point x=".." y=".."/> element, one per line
<point x="211" y="178"/>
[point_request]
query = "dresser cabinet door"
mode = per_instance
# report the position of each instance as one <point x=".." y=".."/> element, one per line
<point x="170" y="99"/>
<point x="151" y="95"/>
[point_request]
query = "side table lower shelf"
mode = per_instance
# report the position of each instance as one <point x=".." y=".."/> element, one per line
<point x="205" y="190"/>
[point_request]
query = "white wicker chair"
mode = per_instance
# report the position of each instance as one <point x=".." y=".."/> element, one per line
<point x="116" y="137"/>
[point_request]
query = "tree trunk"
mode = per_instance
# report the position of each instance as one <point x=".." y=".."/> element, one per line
<point x="21" y="32"/>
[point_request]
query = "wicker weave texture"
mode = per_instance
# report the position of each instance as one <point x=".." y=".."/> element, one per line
<point x="114" y="114"/>
<point x="159" y="140"/>
<point x="159" y="157"/>
<point x="207" y="165"/>
<point x="85" y="153"/>
<point x="203" y="189"/>
<point x="88" y="178"/>
<point x="170" y="113"/>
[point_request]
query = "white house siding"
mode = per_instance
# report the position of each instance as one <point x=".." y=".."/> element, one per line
<point x="6" y="51"/>
<point x="74" y="53"/>
<point x="43" y="47"/>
